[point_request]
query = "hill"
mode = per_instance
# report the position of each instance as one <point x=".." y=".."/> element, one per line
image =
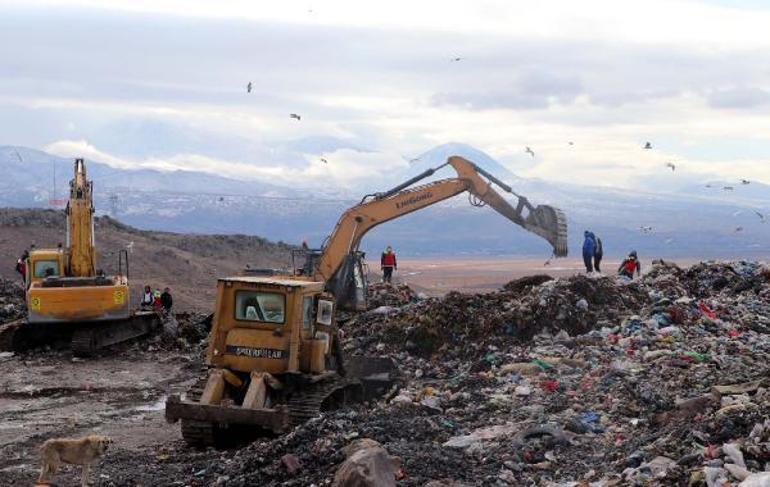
<point x="188" y="263"/>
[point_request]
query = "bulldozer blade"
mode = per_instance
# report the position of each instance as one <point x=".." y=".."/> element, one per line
<point x="551" y="224"/>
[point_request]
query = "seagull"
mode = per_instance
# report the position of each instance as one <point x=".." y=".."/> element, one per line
<point x="760" y="215"/>
<point x="671" y="165"/>
<point x="727" y="188"/>
<point x="455" y="59"/>
<point x="294" y="115"/>
<point x="648" y="145"/>
<point x="529" y="151"/>
<point x="645" y="229"/>
<point x="745" y="181"/>
<point x="248" y="87"/>
<point x="738" y="229"/>
<point x="324" y="161"/>
<point x="411" y="160"/>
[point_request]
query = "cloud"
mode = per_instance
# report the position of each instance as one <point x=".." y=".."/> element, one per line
<point x="341" y="166"/>
<point x="739" y="98"/>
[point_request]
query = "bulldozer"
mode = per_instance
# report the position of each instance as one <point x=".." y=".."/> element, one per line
<point x="67" y="297"/>
<point x="274" y="358"/>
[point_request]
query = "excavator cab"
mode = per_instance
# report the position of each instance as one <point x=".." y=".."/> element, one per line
<point x="274" y="362"/>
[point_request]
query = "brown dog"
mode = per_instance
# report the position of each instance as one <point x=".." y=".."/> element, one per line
<point x="83" y="451"/>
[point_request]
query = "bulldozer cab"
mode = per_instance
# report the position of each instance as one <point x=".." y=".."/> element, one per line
<point x="272" y="324"/>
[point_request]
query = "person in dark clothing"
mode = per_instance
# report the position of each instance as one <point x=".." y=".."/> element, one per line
<point x="166" y="301"/>
<point x="21" y="266"/>
<point x="589" y="248"/>
<point x="388" y="264"/>
<point x="629" y="265"/>
<point x="598" y="254"/>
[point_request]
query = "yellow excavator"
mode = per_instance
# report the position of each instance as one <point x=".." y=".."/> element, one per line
<point x="273" y="354"/>
<point x="67" y="297"/>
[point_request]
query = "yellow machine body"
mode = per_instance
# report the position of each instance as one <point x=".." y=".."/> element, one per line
<point x="271" y="324"/>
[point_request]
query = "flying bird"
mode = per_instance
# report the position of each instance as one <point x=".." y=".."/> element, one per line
<point x="529" y="151"/>
<point x="745" y="181"/>
<point x="727" y="188"/>
<point x="324" y="161"/>
<point x="709" y="186"/>
<point x="760" y="215"/>
<point x="645" y="229"/>
<point x="738" y="229"/>
<point x="648" y="145"/>
<point x="571" y="143"/>
<point x="671" y="165"/>
<point x="248" y="87"/>
<point x="221" y="198"/>
<point x="294" y="115"/>
<point x="410" y="160"/>
<point x="455" y="59"/>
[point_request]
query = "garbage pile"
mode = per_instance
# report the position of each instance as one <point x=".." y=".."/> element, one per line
<point x="464" y="325"/>
<point x="12" y="304"/>
<point x="572" y="382"/>
<point x="381" y="294"/>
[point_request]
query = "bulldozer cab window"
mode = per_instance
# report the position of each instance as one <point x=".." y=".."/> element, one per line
<point x="307" y="315"/>
<point x="260" y="306"/>
<point x="45" y="268"/>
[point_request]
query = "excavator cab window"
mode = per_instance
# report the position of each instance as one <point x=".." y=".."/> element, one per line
<point x="46" y="268"/>
<point x="260" y="306"/>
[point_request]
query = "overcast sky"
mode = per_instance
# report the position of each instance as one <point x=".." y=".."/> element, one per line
<point x="163" y="84"/>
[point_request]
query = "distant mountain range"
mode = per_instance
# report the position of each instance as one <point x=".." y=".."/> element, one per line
<point x="697" y="221"/>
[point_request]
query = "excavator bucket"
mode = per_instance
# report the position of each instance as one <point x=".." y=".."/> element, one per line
<point x="551" y="224"/>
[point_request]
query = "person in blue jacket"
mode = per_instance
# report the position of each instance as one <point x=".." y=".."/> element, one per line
<point x="589" y="249"/>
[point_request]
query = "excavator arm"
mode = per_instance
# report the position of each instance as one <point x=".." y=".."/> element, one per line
<point x="338" y="264"/>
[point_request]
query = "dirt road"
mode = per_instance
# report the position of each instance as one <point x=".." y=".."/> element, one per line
<point x="46" y="394"/>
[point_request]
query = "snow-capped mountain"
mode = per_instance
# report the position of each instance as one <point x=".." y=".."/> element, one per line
<point x="692" y="222"/>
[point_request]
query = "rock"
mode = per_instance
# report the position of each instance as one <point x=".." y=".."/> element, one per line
<point x="292" y="463"/>
<point x="367" y="464"/>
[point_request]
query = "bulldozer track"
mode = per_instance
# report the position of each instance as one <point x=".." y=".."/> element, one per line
<point x="307" y="404"/>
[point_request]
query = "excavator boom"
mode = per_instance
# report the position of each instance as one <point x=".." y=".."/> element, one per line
<point x="337" y="265"/>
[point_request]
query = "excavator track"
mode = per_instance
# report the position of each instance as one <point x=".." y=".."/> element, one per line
<point x="11" y="335"/>
<point x="87" y="340"/>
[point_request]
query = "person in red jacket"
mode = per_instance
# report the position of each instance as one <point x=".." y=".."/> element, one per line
<point x="629" y="265"/>
<point x="388" y="264"/>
